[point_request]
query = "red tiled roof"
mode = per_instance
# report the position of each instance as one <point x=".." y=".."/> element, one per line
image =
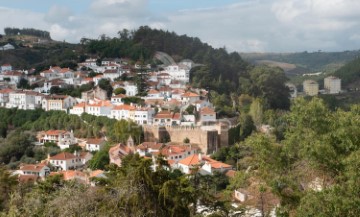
<point x="82" y="104"/>
<point x="176" y="116"/>
<point x="124" y="107"/>
<point x="207" y="111"/>
<point x="94" y="141"/>
<point x="63" y="70"/>
<point x="190" y="94"/>
<point x="190" y="160"/>
<point x="164" y="115"/>
<point x="152" y="91"/>
<point x="147" y="145"/>
<point x="54" y="132"/>
<point x="194" y="160"/>
<point x="6" y="91"/>
<point x="32" y="167"/>
<point x="27" y="178"/>
<point x="63" y="156"/>
<point x="102" y="103"/>
<point x="119" y="96"/>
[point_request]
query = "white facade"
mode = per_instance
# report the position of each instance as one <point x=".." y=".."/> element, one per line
<point x="144" y="116"/>
<point x="332" y="84"/>
<point x="177" y="73"/>
<point x="24" y="100"/>
<point x="62" y="138"/>
<point x="311" y="87"/>
<point x="94" y="144"/>
<point x="6" y="67"/>
<point x="65" y="161"/>
<point x="40" y="170"/>
<point x="117" y="100"/>
<point x="131" y="89"/>
<point x="58" y="102"/>
<point x="4" y="97"/>
<point x="78" y="109"/>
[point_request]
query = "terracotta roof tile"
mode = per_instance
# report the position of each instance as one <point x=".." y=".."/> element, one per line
<point x="63" y="156"/>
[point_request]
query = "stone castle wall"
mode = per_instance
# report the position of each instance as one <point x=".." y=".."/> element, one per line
<point x="208" y="138"/>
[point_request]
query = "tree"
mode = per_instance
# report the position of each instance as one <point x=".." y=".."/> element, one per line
<point x="269" y="84"/>
<point x="186" y="140"/>
<point x="7" y="185"/>
<point x="256" y="112"/>
<point x="23" y="84"/>
<point x="191" y="109"/>
<point x="105" y="85"/>
<point x="119" y="90"/>
<point x="100" y="159"/>
<point x="123" y="129"/>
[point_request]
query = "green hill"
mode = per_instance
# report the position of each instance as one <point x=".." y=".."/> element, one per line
<point x="306" y="61"/>
<point x="350" y="73"/>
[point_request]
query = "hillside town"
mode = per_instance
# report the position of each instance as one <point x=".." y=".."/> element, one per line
<point x="169" y="105"/>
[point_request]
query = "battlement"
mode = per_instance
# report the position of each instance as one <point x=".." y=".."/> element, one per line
<point x="209" y="138"/>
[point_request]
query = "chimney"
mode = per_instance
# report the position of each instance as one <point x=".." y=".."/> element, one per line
<point x="48" y="157"/>
<point x="200" y="157"/>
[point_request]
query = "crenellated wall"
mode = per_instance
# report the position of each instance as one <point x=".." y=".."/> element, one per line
<point x="209" y="138"/>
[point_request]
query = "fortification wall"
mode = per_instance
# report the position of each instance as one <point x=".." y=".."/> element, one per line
<point x="209" y="138"/>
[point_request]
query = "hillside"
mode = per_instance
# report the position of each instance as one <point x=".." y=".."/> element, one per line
<point x="350" y="73"/>
<point x="305" y="61"/>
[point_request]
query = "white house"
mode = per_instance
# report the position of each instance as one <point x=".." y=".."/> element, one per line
<point x="131" y="88"/>
<point x="122" y="112"/>
<point x="68" y="161"/>
<point x="164" y="78"/>
<point x="94" y="144"/>
<point x="111" y="74"/>
<point x="207" y="115"/>
<point x="64" y="139"/>
<point x="4" y="96"/>
<point x="40" y="170"/>
<point x="6" y="67"/>
<point x="118" y="99"/>
<point x="65" y="161"/>
<point x="58" y="102"/>
<point x="7" y="47"/>
<point x="148" y="148"/>
<point x="205" y="165"/>
<point x="100" y="108"/>
<point x="178" y="73"/>
<point x="167" y="118"/>
<point x="78" y="109"/>
<point x="24" y="100"/>
<point x="143" y="115"/>
<point x="13" y="77"/>
<point x="189" y="98"/>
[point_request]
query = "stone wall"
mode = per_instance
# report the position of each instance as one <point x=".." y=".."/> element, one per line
<point x="209" y="138"/>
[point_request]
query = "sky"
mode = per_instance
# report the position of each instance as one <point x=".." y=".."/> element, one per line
<point x="237" y="25"/>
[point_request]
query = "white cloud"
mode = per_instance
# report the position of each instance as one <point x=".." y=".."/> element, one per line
<point x="252" y="25"/>
<point x="59" y="14"/>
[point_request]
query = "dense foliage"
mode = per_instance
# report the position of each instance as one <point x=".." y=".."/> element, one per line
<point x="314" y="169"/>
<point x="132" y="190"/>
<point x="85" y="126"/>
<point x="349" y="72"/>
<point x="27" y="31"/>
